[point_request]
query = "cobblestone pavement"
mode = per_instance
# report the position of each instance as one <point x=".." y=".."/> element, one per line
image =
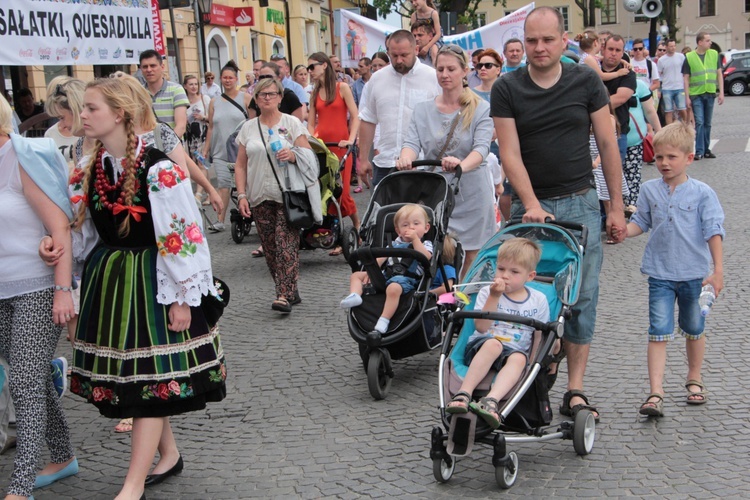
<point x="298" y="421"/>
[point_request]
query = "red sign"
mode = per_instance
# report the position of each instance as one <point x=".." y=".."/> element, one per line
<point x="224" y="15"/>
<point x="159" y="44"/>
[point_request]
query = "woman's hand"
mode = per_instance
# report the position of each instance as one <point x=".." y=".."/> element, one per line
<point x="450" y="163"/>
<point x="403" y="164"/>
<point x="286" y="155"/>
<point x="62" y="307"/>
<point x="215" y="198"/>
<point x="244" y="207"/>
<point x="179" y="317"/>
<point x="48" y="252"/>
<point x="345" y="143"/>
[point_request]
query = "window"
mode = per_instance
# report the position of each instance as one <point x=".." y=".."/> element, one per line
<point x="214" y="56"/>
<point x="747" y="40"/>
<point x="566" y="22"/>
<point x="609" y="11"/>
<point x="480" y="19"/>
<point x="747" y="5"/>
<point x="708" y="7"/>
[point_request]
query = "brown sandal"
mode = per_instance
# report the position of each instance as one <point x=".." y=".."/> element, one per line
<point x="702" y="394"/>
<point x="653" y="408"/>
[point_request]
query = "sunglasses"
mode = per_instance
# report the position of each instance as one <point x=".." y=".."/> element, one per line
<point x="311" y="67"/>
<point x="487" y="66"/>
<point x="60" y="91"/>
<point x="263" y="77"/>
<point x="267" y="95"/>
<point x="638" y="48"/>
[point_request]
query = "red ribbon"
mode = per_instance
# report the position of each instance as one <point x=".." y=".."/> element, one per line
<point x="134" y="211"/>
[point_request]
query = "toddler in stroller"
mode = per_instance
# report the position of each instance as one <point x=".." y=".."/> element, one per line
<point x="411" y="223"/>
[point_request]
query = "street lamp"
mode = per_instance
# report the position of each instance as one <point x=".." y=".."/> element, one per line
<point x="204" y="17"/>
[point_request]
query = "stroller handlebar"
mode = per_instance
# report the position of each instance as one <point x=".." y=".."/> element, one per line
<point x="366" y="251"/>
<point x="438" y="163"/>
<point x="509" y="318"/>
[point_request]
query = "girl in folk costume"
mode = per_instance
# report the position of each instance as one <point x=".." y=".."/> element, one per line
<point x="143" y="347"/>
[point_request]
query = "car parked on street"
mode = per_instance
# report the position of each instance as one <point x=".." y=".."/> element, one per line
<point x="737" y="74"/>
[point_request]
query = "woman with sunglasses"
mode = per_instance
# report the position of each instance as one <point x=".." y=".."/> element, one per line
<point x="488" y="68"/>
<point x="210" y="88"/>
<point x="456" y="128"/>
<point x="256" y="172"/>
<point x="334" y="118"/>
<point x="290" y="103"/>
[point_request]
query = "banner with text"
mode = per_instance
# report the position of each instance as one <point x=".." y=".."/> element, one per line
<point x="68" y="32"/>
<point x="362" y="37"/>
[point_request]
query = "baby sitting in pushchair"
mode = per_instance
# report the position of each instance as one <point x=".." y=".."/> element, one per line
<point x="500" y="346"/>
<point x="411" y="223"/>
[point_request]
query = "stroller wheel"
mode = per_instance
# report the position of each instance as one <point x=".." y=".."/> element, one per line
<point x="350" y="242"/>
<point x="378" y="380"/>
<point x="442" y="468"/>
<point x="506" y="474"/>
<point x="238" y="231"/>
<point x="584" y="432"/>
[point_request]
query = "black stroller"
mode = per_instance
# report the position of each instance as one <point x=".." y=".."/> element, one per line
<point x="418" y="324"/>
<point x="525" y="412"/>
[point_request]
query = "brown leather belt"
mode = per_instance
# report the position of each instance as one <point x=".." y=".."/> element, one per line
<point x="570" y="195"/>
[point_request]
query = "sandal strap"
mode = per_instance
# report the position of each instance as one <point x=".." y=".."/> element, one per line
<point x="654" y="395"/>
<point x="490" y="404"/>
<point x="462" y="396"/>
<point x="574" y="393"/>
<point x="696" y="383"/>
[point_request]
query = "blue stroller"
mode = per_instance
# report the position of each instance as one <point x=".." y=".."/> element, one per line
<point x="525" y="412"/>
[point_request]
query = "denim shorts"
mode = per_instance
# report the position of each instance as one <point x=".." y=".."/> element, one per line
<point x="581" y="209"/>
<point x="674" y="100"/>
<point x="407" y="284"/>
<point x="472" y="348"/>
<point x="662" y="295"/>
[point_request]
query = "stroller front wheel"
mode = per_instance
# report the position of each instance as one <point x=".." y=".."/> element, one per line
<point x="238" y="231"/>
<point x="506" y="474"/>
<point x="442" y="468"/>
<point x="379" y="374"/>
<point x="584" y="432"/>
<point x="350" y="242"/>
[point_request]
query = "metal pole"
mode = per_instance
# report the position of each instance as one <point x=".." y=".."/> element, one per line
<point x="199" y="38"/>
<point x="174" y="42"/>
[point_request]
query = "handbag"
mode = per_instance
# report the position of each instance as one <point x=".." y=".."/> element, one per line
<point x="213" y="305"/>
<point x="648" y="142"/>
<point x="297" y="207"/>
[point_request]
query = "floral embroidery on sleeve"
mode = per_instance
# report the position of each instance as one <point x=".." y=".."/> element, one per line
<point x="166" y="177"/>
<point x="183" y="240"/>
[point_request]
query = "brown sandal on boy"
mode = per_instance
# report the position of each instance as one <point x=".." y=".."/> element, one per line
<point x="702" y="394"/>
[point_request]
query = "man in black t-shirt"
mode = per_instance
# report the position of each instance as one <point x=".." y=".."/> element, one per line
<point x="290" y="103"/>
<point x="621" y="89"/>
<point x="543" y="113"/>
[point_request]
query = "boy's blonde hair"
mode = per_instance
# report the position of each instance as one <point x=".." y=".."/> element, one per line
<point x="678" y="135"/>
<point x="449" y="248"/>
<point x="521" y="251"/>
<point x="407" y="210"/>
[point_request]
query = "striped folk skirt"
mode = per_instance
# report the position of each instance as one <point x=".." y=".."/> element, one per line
<point x="126" y="360"/>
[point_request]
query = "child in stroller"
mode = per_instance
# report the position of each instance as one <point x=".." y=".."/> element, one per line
<point x="500" y="346"/>
<point x="411" y="223"/>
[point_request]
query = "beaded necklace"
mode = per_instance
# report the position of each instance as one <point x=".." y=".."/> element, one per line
<point x="102" y="185"/>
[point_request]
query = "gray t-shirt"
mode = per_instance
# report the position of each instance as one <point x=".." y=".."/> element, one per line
<point x="553" y="125"/>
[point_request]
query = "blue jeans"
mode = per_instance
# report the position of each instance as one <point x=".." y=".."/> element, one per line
<point x="703" y="110"/>
<point x="622" y="146"/>
<point x="582" y="209"/>
<point x="379" y="173"/>
<point x="662" y="295"/>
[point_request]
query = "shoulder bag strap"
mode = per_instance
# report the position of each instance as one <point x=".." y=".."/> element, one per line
<point x="450" y="136"/>
<point x="635" y="122"/>
<point x="234" y="103"/>
<point x="158" y="143"/>
<point x="270" y="162"/>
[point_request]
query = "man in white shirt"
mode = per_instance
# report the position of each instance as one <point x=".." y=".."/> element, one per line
<point x="389" y="100"/>
<point x="672" y="84"/>
<point x="644" y="68"/>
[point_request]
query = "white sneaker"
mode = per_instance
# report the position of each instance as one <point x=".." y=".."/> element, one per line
<point x="217" y="226"/>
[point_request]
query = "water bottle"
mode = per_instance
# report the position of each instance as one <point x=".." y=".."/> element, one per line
<point x="199" y="157"/>
<point x="276" y="146"/>
<point x="706" y="300"/>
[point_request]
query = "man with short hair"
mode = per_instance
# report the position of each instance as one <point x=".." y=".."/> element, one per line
<point x="513" y="54"/>
<point x="424" y="32"/>
<point x="644" y="68"/>
<point x="703" y="83"/>
<point x="26" y="109"/>
<point x="672" y="83"/>
<point x="661" y="49"/>
<point x="363" y="68"/>
<point x="286" y="79"/>
<point x="621" y="89"/>
<point x="210" y="88"/>
<point x="389" y="100"/>
<point x="169" y="100"/>
<point x="550" y="102"/>
<point x="473" y="76"/>
<point x="257" y="64"/>
<point x="341" y="75"/>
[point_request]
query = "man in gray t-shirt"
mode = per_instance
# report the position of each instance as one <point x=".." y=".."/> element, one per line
<point x="558" y="105"/>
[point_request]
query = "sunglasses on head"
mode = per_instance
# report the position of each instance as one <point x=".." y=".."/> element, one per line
<point x="452" y="48"/>
<point x="60" y="91"/>
<point x="488" y="65"/>
<point x="311" y="67"/>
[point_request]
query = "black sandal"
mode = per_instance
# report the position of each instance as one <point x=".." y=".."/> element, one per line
<point x="572" y="411"/>
<point x="282" y="305"/>
<point x="461" y="397"/>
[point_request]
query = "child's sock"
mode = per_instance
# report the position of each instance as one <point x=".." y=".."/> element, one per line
<point x="382" y="325"/>
<point x="351" y="300"/>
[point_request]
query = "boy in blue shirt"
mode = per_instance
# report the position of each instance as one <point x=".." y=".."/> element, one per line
<point x="686" y="223"/>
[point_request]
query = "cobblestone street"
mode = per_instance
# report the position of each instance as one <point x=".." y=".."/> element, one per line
<point x="299" y="422"/>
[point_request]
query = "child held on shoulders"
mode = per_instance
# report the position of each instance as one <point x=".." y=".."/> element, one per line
<point x="686" y="223"/>
<point x="424" y="10"/>
<point x="448" y="257"/>
<point x="412" y="223"/>
<point x="497" y="345"/>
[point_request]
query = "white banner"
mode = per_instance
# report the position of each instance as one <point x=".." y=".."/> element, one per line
<point x="362" y="37"/>
<point x="69" y="32"/>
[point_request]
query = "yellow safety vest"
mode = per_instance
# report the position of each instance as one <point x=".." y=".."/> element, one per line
<point x="703" y="74"/>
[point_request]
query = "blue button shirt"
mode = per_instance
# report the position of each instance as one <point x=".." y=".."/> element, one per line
<point x="682" y="222"/>
<point x="295" y="87"/>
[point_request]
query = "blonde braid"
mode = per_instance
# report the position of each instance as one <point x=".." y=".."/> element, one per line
<point x="88" y="172"/>
<point x="128" y="185"/>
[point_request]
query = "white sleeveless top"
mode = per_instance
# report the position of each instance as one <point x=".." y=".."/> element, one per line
<point x="21" y="269"/>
